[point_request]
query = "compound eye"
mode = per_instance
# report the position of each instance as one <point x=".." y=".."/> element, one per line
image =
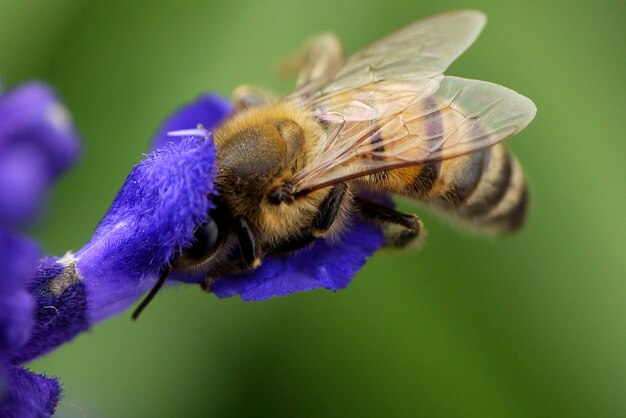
<point x="207" y="239"/>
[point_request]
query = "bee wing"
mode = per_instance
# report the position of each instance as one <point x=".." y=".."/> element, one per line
<point x="382" y="129"/>
<point x="422" y="50"/>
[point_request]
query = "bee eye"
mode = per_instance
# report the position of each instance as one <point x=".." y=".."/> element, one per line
<point x="207" y="238"/>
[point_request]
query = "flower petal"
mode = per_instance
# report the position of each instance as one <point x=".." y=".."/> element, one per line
<point x="208" y="110"/>
<point x="60" y="311"/>
<point x="18" y="259"/>
<point x="29" y="394"/>
<point x="159" y="206"/>
<point x="328" y="265"/>
<point x="37" y="143"/>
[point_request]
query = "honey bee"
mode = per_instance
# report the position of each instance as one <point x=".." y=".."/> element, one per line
<point x="385" y="120"/>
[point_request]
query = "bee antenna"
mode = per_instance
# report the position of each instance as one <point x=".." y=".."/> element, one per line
<point x="162" y="277"/>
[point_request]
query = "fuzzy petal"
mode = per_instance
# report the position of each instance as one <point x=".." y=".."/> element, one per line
<point x="324" y="265"/>
<point x="37" y="143"/>
<point x="60" y="308"/>
<point x="208" y="110"/>
<point x="29" y="394"/>
<point x="155" y="213"/>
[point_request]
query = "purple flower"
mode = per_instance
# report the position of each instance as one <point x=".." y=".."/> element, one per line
<point x="153" y="217"/>
<point x="29" y="394"/>
<point x="322" y="265"/>
<point x="207" y="111"/>
<point x="18" y="261"/>
<point x="37" y="142"/>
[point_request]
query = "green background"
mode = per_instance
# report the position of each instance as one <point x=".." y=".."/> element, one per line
<point x="528" y="326"/>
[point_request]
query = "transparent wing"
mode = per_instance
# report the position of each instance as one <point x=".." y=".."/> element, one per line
<point x="422" y="50"/>
<point x="409" y="128"/>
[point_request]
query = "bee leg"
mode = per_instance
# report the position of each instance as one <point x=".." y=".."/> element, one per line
<point x="399" y="229"/>
<point x="398" y="236"/>
<point x="233" y="267"/>
<point x="317" y="60"/>
<point x="246" y="96"/>
<point x="295" y="242"/>
<point x="248" y="244"/>
<point x="328" y="210"/>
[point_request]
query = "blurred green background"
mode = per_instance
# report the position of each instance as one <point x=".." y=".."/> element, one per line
<point x="529" y="326"/>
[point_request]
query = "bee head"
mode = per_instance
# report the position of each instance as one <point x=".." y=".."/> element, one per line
<point x="255" y="161"/>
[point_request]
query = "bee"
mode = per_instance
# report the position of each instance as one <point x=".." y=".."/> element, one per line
<point x="386" y="120"/>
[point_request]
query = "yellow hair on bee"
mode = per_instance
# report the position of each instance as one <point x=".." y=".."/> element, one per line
<point x="278" y="110"/>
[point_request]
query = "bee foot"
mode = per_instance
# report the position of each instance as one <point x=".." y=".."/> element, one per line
<point x="255" y="264"/>
<point x="206" y="284"/>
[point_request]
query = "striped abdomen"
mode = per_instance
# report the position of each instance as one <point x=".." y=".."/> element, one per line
<point x="485" y="190"/>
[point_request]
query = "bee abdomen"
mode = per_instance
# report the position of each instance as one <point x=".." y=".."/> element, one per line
<point x="485" y="189"/>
